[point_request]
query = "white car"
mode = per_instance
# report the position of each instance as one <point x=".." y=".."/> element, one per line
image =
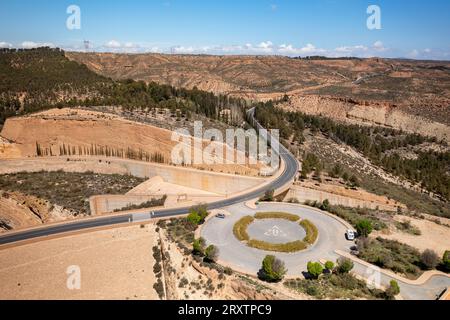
<point x="220" y="216"/>
<point x="350" y="235"/>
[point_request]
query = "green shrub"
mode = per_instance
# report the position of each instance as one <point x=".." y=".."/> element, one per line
<point x="199" y="246"/>
<point x="194" y="218"/>
<point x="311" y="231"/>
<point x="345" y="265"/>
<point x="446" y="260"/>
<point x="392" y="290"/>
<point x="211" y="253"/>
<point x="277" y="215"/>
<point x="272" y="270"/>
<point x="240" y="228"/>
<point x="197" y="215"/>
<point x="315" y="269"/>
<point x="329" y="265"/>
<point x="325" y="205"/>
<point x="364" y="228"/>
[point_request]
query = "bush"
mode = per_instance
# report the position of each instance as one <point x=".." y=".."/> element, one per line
<point x="429" y="259"/>
<point x="392" y="290"/>
<point x="197" y="215"/>
<point x="446" y="260"/>
<point x="315" y="269"/>
<point x="390" y="254"/>
<point x="272" y="270"/>
<point x="278" y="247"/>
<point x="199" y="246"/>
<point x="364" y="228"/>
<point x="325" y="205"/>
<point x="329" y="265"/>
<point x="268" y="196"/>
<point x="311" y="231"/>
<point x="194" y="218"/>
<point x="345" y="265"/>
<point x="277" y="215"/>
<point x="240" y="228"/>
<point x="211" y="253"/>
<point x="228" y="271"/>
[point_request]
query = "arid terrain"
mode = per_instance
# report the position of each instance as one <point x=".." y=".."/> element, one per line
<point x="395" y="93"/>
<point x="370" y="135"/>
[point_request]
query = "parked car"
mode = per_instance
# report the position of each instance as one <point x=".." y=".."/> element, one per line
<point x="220" y="216"/>
<point x="350" y="235"/>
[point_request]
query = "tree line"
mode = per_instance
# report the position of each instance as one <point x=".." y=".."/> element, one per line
<point x="430" y="169"/>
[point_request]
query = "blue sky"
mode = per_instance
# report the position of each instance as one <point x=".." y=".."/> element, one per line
<point x="410" y="28"/>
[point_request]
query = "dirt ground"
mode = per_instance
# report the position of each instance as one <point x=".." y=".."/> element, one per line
<point x="114" y="264"/>
<point x="434" y="236"/>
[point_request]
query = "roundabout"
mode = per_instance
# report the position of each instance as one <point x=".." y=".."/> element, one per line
<point x="275" y="231"/>
<point x="241" y="256"/>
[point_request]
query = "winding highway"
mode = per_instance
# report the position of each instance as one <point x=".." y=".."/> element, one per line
<point x="290" y="170"/>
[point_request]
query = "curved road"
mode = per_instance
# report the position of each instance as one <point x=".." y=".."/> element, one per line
<point x="290" y="171"/>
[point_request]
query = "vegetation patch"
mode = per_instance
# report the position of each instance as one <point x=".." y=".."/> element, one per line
<point x="392" y="255"/>
<point x="335" y="286"/>
<point x="278" y="247"/>
<point x="407" y="227"/>
<point x="240" y="232"/>
<point x="180" y="231"/>
<point x="277" y="215"/>
<point x="69" y="190"/>
<point x="240" y="228"/>
<point x="148" y="204"/>
<point x="353" y="216"/>
<point x="311" y="231"/>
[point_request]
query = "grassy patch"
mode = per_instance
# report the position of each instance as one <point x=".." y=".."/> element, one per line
<point x="407" y="227"/>
<point x="240" y="228"/>
<point x="240" y="232"/>
<point x="392" y="255"/>
<point x="354" y="215"/>
<point x="311" y="231"/>
<point x="277" y="215"/>
<point x="70" y="190"/>
<point x="278" y="247"/>
<point x="181" y="231"/>
<point x="335" y="286"/>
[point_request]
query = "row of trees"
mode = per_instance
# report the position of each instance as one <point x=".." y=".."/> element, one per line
<point x="104" y="151"/>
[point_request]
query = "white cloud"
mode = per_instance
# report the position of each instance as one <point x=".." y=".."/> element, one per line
<point x="5" y="45"/>
<point x="379" y="46"/>
<point x="351" y="49"/>
<point x="182" y="49"/>
<point x="113" y="44"/>
<point x="32" y="44"/>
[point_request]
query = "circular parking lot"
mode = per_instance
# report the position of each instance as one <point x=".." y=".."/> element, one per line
<point x="239" y="256"/>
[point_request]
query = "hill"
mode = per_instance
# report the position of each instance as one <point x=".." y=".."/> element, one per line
<point x="397" y="93"/>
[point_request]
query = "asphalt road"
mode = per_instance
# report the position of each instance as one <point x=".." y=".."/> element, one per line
<point x="291" y="169"/>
